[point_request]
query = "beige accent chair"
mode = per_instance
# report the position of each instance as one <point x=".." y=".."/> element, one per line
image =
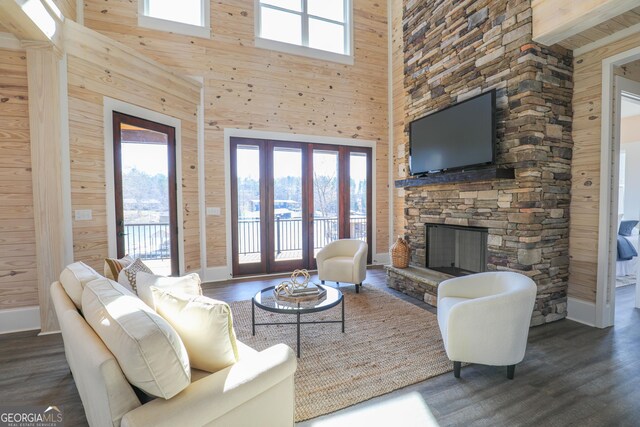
<point x="485" y="318"/>
<point x="256" y="390"/>
<point x="343" y="260"/>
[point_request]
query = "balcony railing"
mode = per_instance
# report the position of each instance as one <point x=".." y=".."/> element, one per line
<point x="288" y="233"/>
<point x="152" y="241"/>
<point x="147" y="241"/>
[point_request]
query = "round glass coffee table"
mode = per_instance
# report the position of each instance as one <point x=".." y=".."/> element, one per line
<point x="266" y="300"/>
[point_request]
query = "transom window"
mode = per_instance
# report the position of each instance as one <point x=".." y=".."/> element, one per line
<point x="322" y="25"/>
<point x="190" y="17"/>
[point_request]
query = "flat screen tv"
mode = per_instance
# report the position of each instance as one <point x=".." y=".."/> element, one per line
<point x="457" y="137"/>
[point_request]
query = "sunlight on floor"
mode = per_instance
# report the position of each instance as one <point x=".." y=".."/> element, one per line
<point x="408" y="411"/>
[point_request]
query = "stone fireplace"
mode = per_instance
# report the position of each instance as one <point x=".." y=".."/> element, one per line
<point x="456" y="50"/>
<point x="456" y="250"/>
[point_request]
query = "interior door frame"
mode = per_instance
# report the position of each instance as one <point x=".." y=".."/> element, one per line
<point x="123" y="118"/>
<point x="604" y="315"/>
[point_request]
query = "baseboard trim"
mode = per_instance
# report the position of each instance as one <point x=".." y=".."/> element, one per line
<point x="49" y="333"/>
<point x="216" y="274"/>
<point x="581" y="311"/>
<point x="382" y="258"/>
<point x="19" y="319"/>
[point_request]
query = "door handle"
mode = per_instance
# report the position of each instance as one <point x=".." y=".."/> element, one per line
<point x="122" y="234"/>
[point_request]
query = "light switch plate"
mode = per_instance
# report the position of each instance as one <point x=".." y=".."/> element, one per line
<point x="213" y="211"/>
<point x="83" y="215"/>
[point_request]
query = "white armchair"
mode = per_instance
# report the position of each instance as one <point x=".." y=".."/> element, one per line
<point x="343" y="261"/>
<point x="485" y="318"/>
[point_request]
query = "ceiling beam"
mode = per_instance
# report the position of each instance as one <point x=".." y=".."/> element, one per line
<point x="32" y="21"/>
<point x="555" y="21"/>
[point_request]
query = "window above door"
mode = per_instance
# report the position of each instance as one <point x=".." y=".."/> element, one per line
<point x="319" y="29"/>
<point x="188" y="17"/>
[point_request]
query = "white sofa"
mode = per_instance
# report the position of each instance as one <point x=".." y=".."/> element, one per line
<point x="485" y="318"/>
<point x="344" y="261"/>
<point x="256" y="390"/>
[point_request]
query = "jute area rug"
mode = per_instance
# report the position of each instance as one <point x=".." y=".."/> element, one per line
<point x="388" y="344"/>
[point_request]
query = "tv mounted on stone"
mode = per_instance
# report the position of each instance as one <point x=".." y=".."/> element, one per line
<point x="458" y="137"/>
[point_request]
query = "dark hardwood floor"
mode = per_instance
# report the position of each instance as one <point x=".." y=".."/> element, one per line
<point x="571" y="375"/>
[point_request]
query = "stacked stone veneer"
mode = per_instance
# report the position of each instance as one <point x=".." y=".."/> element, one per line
<point x="458" y="49"/>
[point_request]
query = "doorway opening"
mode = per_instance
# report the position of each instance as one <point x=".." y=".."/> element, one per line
<point x="626" y="295"/>
<point x="289" y="199"/>
<point x="145" y="192"/>
<point x="618" y="242"/>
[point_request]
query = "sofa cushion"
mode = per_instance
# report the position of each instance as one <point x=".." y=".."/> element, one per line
<point x="205" y="326"/>
<point x="74" y="278"/>
<point x="128" y="275"/>
<point x="189" y="284"/>
<point x="112" y="266"/>
<point x="148" y="349"/>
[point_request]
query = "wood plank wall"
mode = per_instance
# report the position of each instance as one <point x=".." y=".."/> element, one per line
<point x="399" y="114"/>
<point x="585" y="167"/>
<point x="251" y="88"/>
<point x="68" y="8"/>
<point x="98" y="67"/>
<point x="18" y="275"/>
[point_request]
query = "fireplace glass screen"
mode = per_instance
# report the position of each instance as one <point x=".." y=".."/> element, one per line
<point x="456" y="250"/>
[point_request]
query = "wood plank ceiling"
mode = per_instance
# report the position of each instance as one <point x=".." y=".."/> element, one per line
<point x="603" y="30"/>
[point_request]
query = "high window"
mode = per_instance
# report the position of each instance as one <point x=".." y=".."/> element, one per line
<point x="316" y="28"/>
<point x="190" y="17"/>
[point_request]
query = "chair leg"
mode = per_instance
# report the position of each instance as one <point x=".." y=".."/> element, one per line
<point x="511" y="370"/>
<point x="358" y="288"/>
<point x="456" y="369"/>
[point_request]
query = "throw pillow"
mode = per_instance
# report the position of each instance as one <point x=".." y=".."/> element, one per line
<point x="147" y="348"/>
<point x="626" y="227"/>
<point x="127" y="276"/>
<point x="189" y="284"/>
<point x="74" y="278"/>
<point x="112" y="266"/>
<point x="205" y="326"/>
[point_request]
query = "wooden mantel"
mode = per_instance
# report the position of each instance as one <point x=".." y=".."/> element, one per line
<point x="484" y="174"/>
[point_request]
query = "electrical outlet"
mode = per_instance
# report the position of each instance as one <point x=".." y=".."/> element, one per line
<point x="84" y="215"/>
<point x="213" y="211"/>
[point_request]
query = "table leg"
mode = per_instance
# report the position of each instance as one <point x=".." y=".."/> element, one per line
<point x="343" y="315"/>
<point x="253" y="316"/>
<point x="298" y="335"/>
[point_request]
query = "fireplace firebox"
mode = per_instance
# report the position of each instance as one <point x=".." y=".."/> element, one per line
<point x="456" y="250"/>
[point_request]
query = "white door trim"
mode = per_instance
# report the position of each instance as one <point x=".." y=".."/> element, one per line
<point x="384" y="257"/>
<point x="65" y="185"/>
<point x="609" y="150"/>
<point x="111" y="105"/>
<point x="281" y="136"/>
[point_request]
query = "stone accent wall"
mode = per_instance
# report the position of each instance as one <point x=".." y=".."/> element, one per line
<point x="458" y="49"/>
